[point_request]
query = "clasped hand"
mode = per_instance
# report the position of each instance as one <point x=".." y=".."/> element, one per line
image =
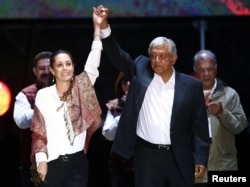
<point x="214" y="107"/>
<point x="100" y="14"/>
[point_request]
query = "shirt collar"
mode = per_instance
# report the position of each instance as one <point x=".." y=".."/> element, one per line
<point x="170" y="81"/>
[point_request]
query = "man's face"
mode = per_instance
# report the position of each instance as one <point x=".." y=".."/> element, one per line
<point x="42" y="72"/>
<point x="161" y="61"/>
<point x="206" y="71"/>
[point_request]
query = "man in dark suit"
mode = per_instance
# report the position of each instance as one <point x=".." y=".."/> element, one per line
<point x="164" y="121"/>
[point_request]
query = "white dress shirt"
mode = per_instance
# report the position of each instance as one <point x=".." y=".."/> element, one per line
<point x="154" y="117"/>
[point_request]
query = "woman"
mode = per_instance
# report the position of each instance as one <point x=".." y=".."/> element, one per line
<point x="115" y="107"/>
<point x="66" y="115"/>
<point x="121" y="170"/>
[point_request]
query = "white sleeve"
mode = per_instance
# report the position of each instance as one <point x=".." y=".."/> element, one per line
<point x="93" y="61"/>
<point x="23" y="112"/>
<point x="105" y="32"/>
<point x="110" y="126"/>
<point x="40" y="157"/>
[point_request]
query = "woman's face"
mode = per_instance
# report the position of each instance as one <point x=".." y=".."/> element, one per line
<point x="125" y="86"/>
<point x="63" y="68"/>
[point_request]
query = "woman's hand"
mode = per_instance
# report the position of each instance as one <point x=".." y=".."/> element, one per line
<point x="42" y="170"/>
<point x="100" y="16"/>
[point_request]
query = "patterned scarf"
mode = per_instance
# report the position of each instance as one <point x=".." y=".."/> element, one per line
<point x="83" y="111"/>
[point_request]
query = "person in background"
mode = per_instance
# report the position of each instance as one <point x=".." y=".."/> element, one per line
<point x="164" y="121"/>
<point x="121" y="170"/>
<point x="66" y="114"/>
<point x="225" y="114"/>
<point x="23" y="112"/>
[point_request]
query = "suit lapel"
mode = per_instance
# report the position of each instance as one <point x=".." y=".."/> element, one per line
<point x="179" y="94"/>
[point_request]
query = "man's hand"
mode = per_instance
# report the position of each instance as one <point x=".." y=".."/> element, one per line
<point x="100" y="16"/>
<point x="199" y="171"/>
<point x="215" y="108"/>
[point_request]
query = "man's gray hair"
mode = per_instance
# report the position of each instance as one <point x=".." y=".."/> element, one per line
<point x="204" y="54"/>
<point x="163" y="40"/>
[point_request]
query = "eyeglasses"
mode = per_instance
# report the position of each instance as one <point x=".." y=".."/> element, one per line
<point x="161" y="56"/>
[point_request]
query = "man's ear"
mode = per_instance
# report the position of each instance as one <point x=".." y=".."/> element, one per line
<point x="174" y="59"/>
<point x="34" y="71"/>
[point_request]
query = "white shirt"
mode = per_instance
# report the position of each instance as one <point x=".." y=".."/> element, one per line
<point x="110" y="126"/>
<point x="105" y="32"/>
<point x="58" y="142"/>
<point x="154" y="117"/>
<point x="210" y="92"/>
<point x="23" y="112"/>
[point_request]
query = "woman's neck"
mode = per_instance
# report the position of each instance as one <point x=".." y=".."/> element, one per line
<point x="62" y="88"/>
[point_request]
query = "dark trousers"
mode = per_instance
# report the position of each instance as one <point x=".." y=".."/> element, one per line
<point x="201" y="185"/>
<point x="67" y="171"/>
<point x="122" y="178"/>
<point x="25" y="177"/>
<point x="155" y="167"/>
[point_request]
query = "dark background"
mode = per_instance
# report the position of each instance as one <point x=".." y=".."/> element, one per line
<point x="21" y="39"/>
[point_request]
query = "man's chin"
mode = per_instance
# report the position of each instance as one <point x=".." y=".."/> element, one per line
<point x="45" y="83"/>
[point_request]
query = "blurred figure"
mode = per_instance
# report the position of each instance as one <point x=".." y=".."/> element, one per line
<point x="164" y="121"/>
<point x="66" y="115"/>
<point x="23" y="112"/>
<point x="121" y="169"/>
<point x="225" y="114"/>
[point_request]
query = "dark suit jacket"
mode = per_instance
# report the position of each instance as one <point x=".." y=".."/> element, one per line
<point x="189" y="125"/>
